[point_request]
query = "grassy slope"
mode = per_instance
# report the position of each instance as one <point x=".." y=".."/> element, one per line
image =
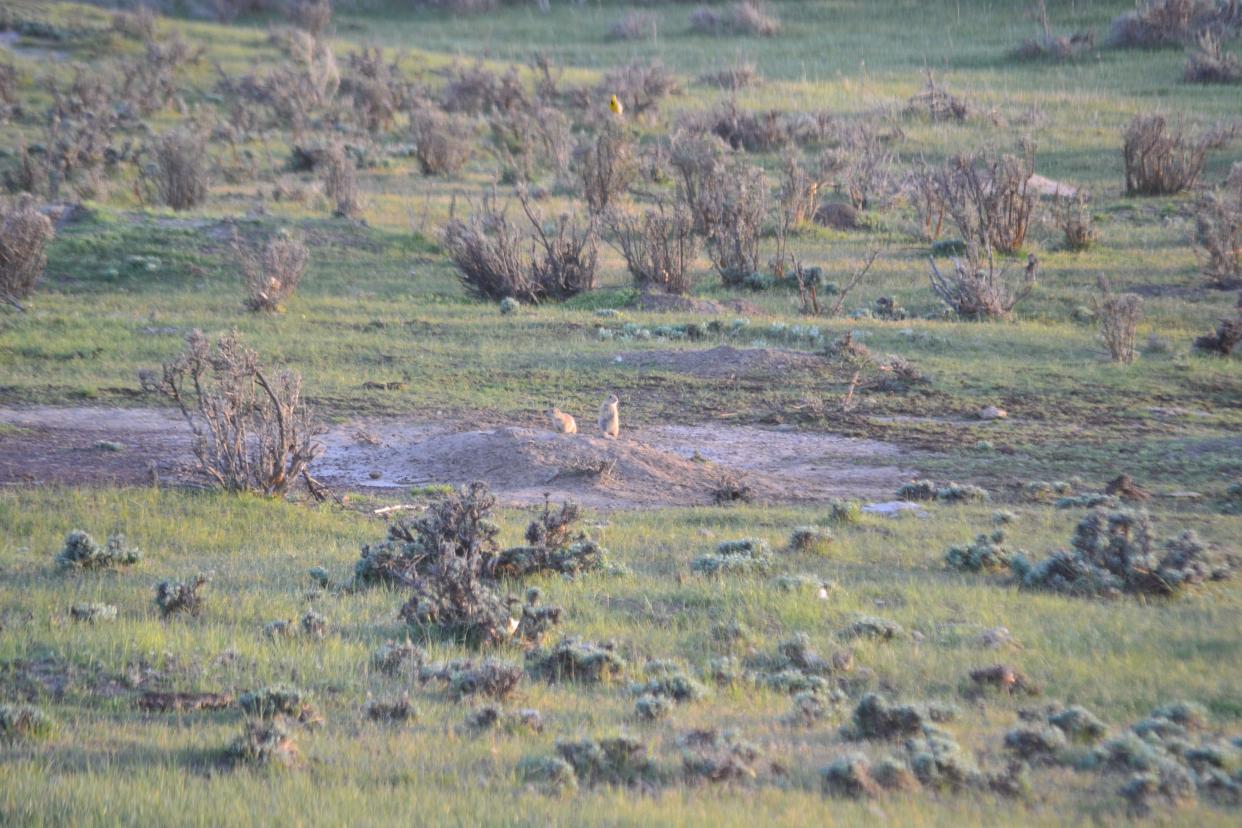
<point x="381" y="304"/>
<point x="392" y="309"/>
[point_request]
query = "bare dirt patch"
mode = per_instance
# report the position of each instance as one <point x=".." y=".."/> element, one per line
<point x="91" y="445"/>
<point x="672" y="465"/>
<point x="647" y="467"/>
<point x="725" y="361"/>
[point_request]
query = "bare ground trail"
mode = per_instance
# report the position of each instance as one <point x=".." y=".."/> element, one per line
<point x="648" y="467"/>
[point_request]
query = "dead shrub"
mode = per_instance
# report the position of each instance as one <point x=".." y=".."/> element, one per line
<point x="339" y="175"/>
<point x="640" y="86"/>
<point x="451" y="592"/>
<point x="525" y="139"/>
<point x="989" y="197"/>
<point x="741" y="75"/>
<point x="443" y="142"/>
<point x="1161" y="161"/>
<point x="799" y="190"/>
<point x="606" y="166"/>
<point x="295" y="91"/>
<point x="1218" y="231"/>
<point x="174" y="597"/>
<point x="1226" y="337"/>
<point x="263" y="743"/>
<point x="1118" y="316"/>
<point x="1055" y="47"/>
<point x="73" y="151"/>
<point x="138" y="24"/>
<point x="635" y="24"/>
<point x="377" y="90"/>
<point x="730" y="488"/>
<point x="1048" y="45"/>
<point x="659" y="248"/>
<point x="178" y="174"/>
<point x="1073" y="216"/>
<point x="272" y="273"/>
<point x="566" y="253"/>
<point x="862" y="169"/>
<point x="979" y="289"/>
<point x="24" y="235"/>
<point x="489" y="253"/>
<point x="728" y="202"/>
<point x="1158" y="23"/>
<point x="475" y="90"/>
<point x="491" y="257"/>
<point x="936" y="103"/>
<point x="740" y="214"/>
<point x="1208" y="62"/>
<point x="744" y="18"/>
<point x="149" y="83"/>
<point x="251" y="432"/>
<point x="1116" y="551"/>
<point x="396" y="709"/>
<point x="742" y="129"/>
<point x="313" y="16"/>
<point x="8" y="91"/>
<point x="699" y="163"/>
<point x="857" y="275"/>
<point x="552" y="545"/>
<point x="923" y="191"/>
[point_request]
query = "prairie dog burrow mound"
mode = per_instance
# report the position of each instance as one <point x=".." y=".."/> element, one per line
<point x="648" y="467"/>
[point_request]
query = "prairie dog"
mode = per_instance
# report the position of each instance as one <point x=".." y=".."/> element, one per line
<point x="562" y="422"/>
<point x="610" y="418"/>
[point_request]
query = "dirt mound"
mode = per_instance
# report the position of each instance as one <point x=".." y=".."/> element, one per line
<point x="665" y="303"/>
<point x="669" y="465"/>
<point x="726" y="361"/>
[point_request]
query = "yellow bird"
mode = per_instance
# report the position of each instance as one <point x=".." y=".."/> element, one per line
<point x="615" y="105"/>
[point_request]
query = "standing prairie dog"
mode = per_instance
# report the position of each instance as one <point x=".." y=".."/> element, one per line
<point x="562" y="422"/>
<point x="610" y="418"/>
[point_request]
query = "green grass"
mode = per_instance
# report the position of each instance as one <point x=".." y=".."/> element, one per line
<point x="381" y="304"/>
<point x="108" y="762"/>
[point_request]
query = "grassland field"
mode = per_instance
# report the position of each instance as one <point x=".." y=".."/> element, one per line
<point x="381" y="304"/>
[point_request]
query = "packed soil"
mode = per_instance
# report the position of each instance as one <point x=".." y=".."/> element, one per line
<point x="648" y="467"/>
<point x="726" y="361"/>
<point x="92" y="445"/>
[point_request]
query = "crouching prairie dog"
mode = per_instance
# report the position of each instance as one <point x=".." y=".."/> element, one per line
<point x="562" y="422"/>
<point x="610" y="418"/>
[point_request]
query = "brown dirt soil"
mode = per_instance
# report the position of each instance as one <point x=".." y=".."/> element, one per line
<point x="647" y="467"/>
<point x="62" y="445"/>
<point x="663" y="302"/>
<point x="725" y="361"/>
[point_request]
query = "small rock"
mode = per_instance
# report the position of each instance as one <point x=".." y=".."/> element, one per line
<point x="991" y="412"/>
